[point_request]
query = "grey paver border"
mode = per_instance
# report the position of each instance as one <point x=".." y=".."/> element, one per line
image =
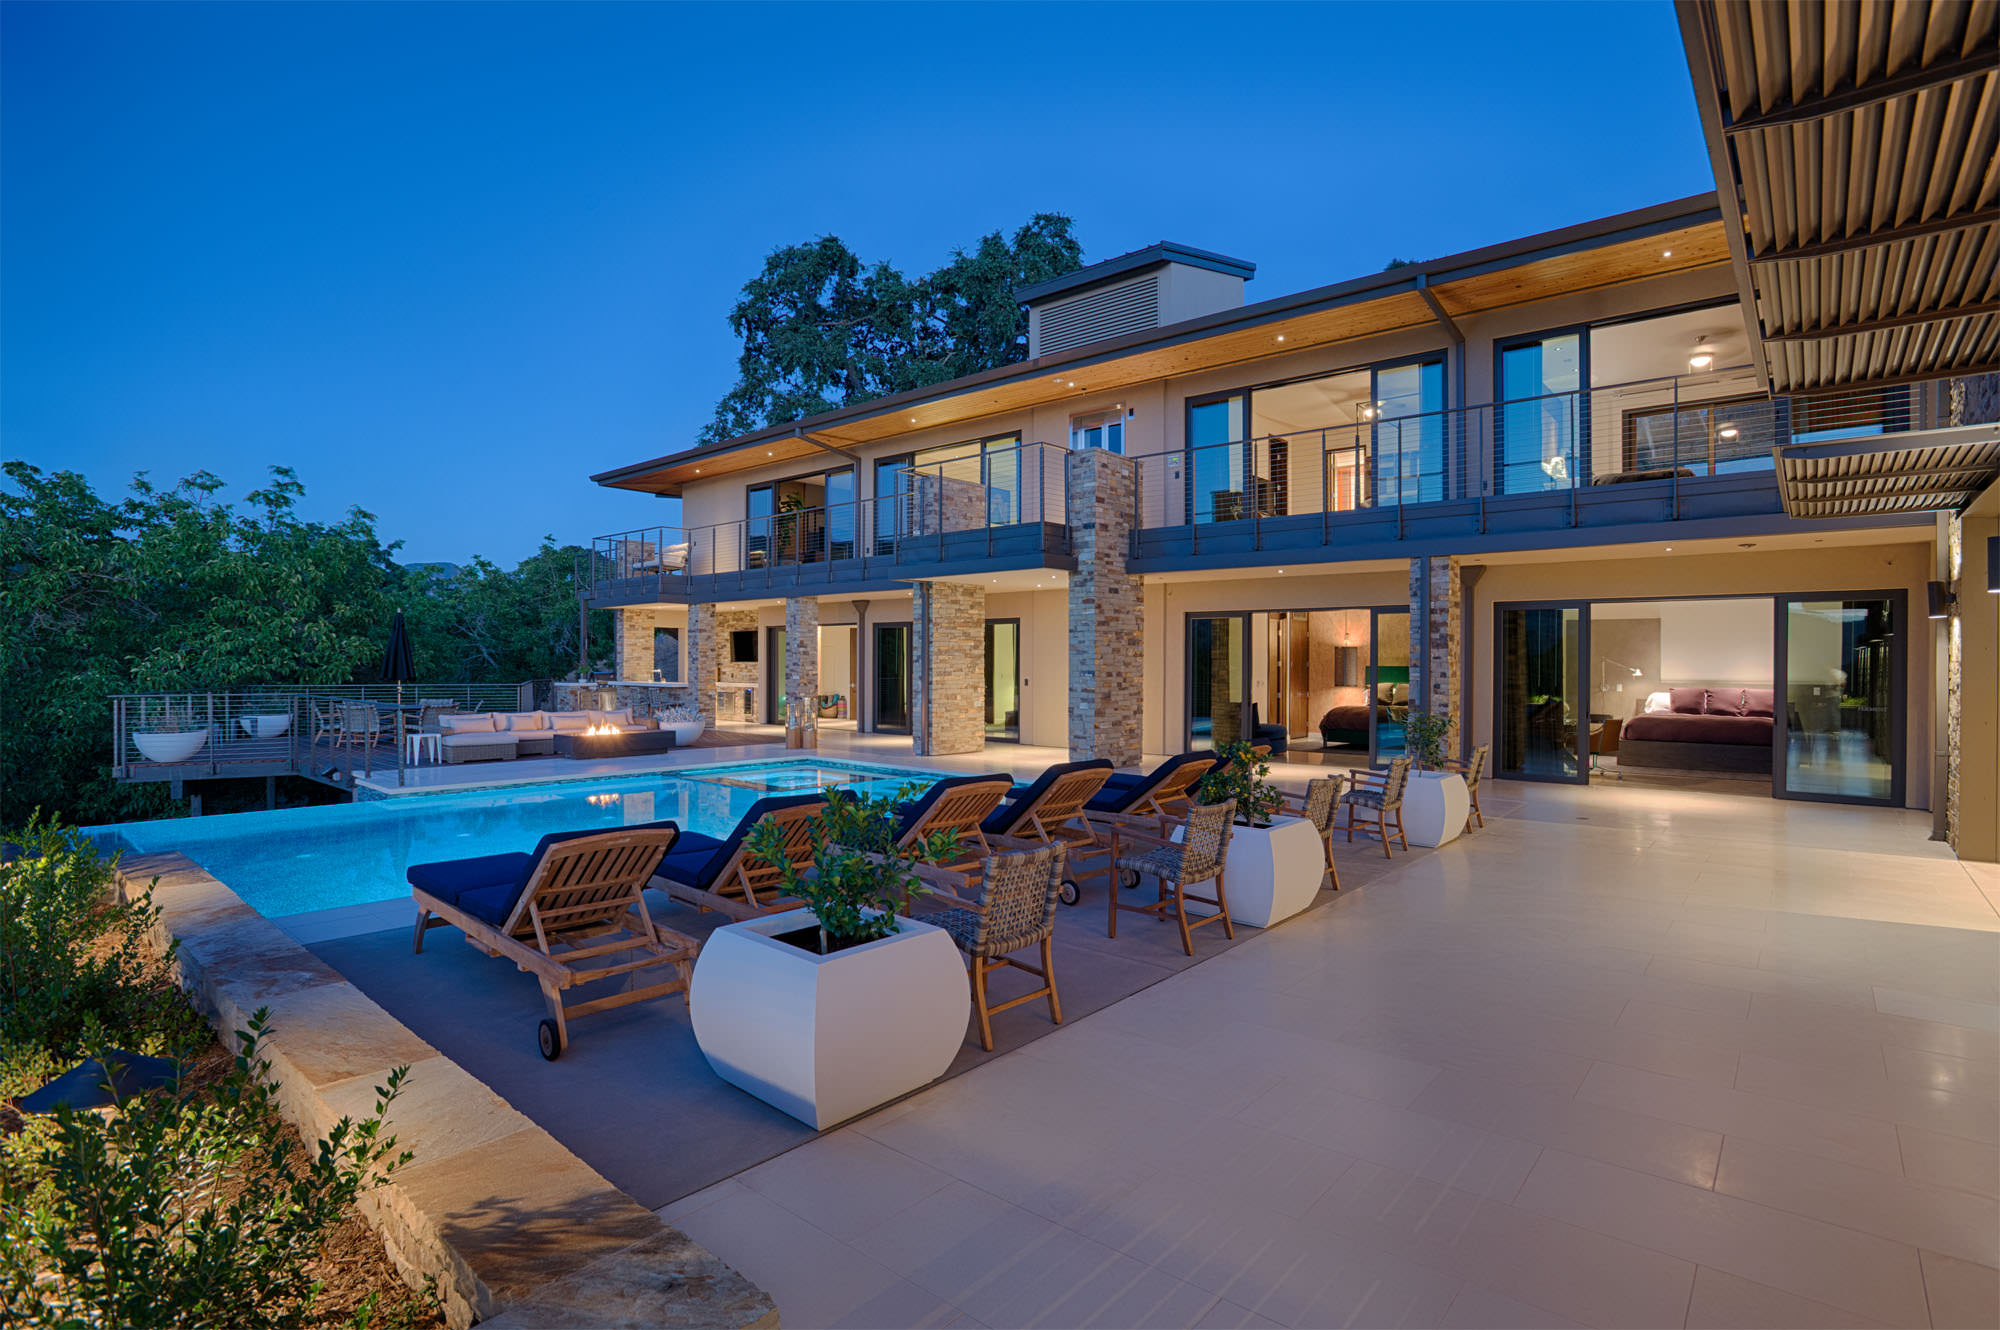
<point x="505" y="1217"/>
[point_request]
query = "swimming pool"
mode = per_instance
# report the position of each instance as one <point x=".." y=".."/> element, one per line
<point x="297" y="859"/>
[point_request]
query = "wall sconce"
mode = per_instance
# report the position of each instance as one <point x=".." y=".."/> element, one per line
<point x="1942" y="600"/>
<point x="1604" y="669"/>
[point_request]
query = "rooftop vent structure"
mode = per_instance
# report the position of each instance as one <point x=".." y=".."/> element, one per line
<point x="1133" y="293"/>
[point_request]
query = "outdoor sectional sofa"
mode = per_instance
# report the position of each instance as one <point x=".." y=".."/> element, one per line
<point x="484" y="736"/>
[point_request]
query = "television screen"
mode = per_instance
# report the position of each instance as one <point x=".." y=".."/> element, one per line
<point x="743" y="645"/>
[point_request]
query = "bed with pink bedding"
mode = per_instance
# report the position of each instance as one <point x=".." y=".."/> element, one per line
<point x="1703" y="729"/>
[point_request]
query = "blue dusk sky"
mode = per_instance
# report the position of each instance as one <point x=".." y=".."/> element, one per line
<point x="447" y="260"/>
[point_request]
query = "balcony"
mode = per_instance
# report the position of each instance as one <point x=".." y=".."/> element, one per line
<point x="1594" y="466"/>
<point x="985" y="512"/>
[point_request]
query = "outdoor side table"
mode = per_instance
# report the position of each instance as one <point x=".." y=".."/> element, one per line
<point x="417" y="744"/>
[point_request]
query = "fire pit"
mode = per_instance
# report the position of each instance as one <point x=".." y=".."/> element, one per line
<point x="613" y="743"/>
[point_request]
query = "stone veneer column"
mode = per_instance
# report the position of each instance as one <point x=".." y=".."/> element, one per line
<point x="1436" y="634"/>
<point x="703" y="659"/>
<point x="801" y="648"/>
<point x="949" y="659"/>
<point x="728" y="622"/>
<point x="1106" y="613"/>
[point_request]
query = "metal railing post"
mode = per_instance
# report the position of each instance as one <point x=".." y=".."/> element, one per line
<point x="1674" y="468"/>
<point x="214" y="742"/>
<point x="402" y="745"/>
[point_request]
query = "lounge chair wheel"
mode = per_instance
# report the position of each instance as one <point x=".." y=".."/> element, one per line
<point x="549" y="1039"/>
<point x="1128" y="878"/>
<point x="1068" y="893"/>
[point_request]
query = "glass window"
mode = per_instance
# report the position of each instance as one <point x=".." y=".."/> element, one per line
<point x="1216" y="474"/>
<point x="1541" y="420"/>
<point x="1100" y="429"/>
<point x="1408" y="432"/>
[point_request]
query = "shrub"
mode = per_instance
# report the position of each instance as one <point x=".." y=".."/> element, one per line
<point x="1238" y="774"/>
<point x="189" y="1207"/>
<point x="1423" y="737"/>
<point x="859" y="881"/>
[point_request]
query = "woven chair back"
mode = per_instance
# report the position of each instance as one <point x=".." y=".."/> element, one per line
<point x="1476" y="768"/>
<point x="1018" y="905"/>
<point x="1395" y="783"/>
<point x="1206" y="840"/>
<point x="1322" y="798"/>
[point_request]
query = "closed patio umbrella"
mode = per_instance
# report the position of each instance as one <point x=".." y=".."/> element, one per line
<point x="398" y="664"/>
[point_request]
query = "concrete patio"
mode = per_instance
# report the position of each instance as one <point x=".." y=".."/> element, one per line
<point x="1630" y="1056"/>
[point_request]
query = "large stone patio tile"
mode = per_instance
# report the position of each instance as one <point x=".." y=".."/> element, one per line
<point x="523" y="1211"/>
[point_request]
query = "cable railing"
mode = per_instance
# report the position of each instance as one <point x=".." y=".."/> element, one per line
<point x="922" y="508"/>
<point x="1666" y="429"/>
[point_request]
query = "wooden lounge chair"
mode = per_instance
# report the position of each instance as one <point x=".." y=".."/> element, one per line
<point x="726" y="875"/>
<point x="960" y="805"/>
<point x="1050" y="812"/>
<point x="1142" y="803"/>
<point x="577" y="898"/>
<point x="1380" y="793"/>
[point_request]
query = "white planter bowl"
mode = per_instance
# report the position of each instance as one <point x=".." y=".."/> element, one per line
<point x="827" y="1037"/>
<point x="1272" y="874"/>
<point x="170" y="746"/>
<point x="685" y="732"/>
<point x="1435" y="806"/>
<point x="269" y="726"/>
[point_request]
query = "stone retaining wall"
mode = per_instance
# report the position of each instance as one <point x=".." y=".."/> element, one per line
<point x="503" y="1215"/>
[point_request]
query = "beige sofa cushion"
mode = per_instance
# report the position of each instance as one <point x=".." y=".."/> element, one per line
<point x="569" y="722"/>
<point x="479" y="739"/>
<point x="476" y="722"/>
<point x="524" y="721"/>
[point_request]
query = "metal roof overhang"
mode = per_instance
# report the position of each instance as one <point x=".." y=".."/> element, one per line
<point x="1681" y="236"/>
<point x="1854" y="147"/>
<point x="1938" y="470"/>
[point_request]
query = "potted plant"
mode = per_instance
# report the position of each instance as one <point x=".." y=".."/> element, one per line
<point x="167" y="732"/>
<point x="828" y="1011"/>
<point x="1275" y="862"/>
<point x="684" y="720"/>
<point x="1436" y="803"/>
<point x="265" y="717"/>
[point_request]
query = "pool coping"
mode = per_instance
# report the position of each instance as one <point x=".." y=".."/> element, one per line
<point x="367" y="790"/>
<point x="505" y="1217"/>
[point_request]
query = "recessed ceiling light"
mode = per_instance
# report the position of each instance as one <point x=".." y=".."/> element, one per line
<point x="1702" y="361"/>
<point x="1281" y="337"/>
<point x="1670" y="549"/>
<point x="1666" y="253"/>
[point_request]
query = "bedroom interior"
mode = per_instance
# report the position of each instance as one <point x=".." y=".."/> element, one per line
<point x="1326" y="681"/>
<point x="1682" y="686"/>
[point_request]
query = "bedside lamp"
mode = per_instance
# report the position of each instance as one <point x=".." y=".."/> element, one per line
<point x="1604" y="669"/>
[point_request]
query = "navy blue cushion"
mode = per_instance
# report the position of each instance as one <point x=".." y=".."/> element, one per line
<point x="697" y="860"/>
<point x="1003" y="820"/>
<point x="908" y="813"/>
<point x="1121" y="797"/>
<point x="487" y="886"/>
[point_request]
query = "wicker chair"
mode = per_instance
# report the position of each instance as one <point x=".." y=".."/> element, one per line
<point x="1199" y="857"/>
<point x="1321" y="803"/>
<point x="1017" y="910"/>
<point x="360" y="722"/>
<point x="1380" y="793"/>
<point x="1474" y="771"/>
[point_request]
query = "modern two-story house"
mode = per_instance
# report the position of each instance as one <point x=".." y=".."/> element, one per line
<point x="1680" y="490"/>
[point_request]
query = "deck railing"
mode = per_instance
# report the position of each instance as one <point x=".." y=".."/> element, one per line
<point x="282" y="729"/>
<point x="925" y="506"/>
<point x="1675" y="428"/>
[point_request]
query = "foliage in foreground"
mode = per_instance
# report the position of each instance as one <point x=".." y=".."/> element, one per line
<point x="1239" y="773"/>
<point x="859" y="880"/>
<point x="190" y="1206"/>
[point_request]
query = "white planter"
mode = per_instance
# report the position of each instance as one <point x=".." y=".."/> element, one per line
<point x="269" y="726"/>
<point x="827" y="1037"/>
<point x="1273" y="872"/>
<point x="1435" y="805"/>
<point x="169" y="746"/>
<point x="685" y="732"/>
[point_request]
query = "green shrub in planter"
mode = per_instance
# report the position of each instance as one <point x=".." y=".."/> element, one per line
<point x="1424" y="735"/>
<point x="1238" y="774"/>
<point x="859" y="881"/>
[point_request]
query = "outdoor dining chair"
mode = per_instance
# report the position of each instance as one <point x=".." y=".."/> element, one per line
<point x="1321" y="803"/>
<point x="1200" y="856"/>
<point x="1016" y="910"/>
<point x="1474" y="771"/>
<point x="1381" y="794"/>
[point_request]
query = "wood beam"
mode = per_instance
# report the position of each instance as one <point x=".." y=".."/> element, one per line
<point x="1887" y="236"/>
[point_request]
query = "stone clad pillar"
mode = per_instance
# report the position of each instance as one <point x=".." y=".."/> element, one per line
<point x="1436" y="640"/>
<point x="801" y="649"/>
<point x="1106" y="612"/>
<point x="703" y="660"/>
<point x="949" y="658"/>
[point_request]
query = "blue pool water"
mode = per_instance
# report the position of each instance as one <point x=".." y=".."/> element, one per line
<point x="299" y="859"/>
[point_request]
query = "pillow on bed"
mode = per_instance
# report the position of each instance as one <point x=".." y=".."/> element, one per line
<point x="1724" y="702"/>
<point x="1760" y="701"/>
<point x="1659" y="701"/>
<point x="1687" y="701"/>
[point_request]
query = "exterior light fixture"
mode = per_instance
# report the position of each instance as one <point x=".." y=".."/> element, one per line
<point x="1726" y="432"/>
<point x="1281" y="337"/>
<point x="1701" y="361"/>
<point x="1670" y="549"/>
<point x="1666" y="253"/>
<point x="1941" y="599"/>
<point x="1993" y="565"/>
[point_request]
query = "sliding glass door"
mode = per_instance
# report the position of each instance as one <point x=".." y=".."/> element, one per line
<point x="1839" y="734"/>
<point x="1218" y="481"/>
<point x="891" y="650"/>
<point x="1218" y="668"/>
<point x="774" y="675"/>
<point x="1409" y="433"/>
<point x="1539" y="653"/>
<point x="1388" y="685"/>
<point x="1541" y="424"/>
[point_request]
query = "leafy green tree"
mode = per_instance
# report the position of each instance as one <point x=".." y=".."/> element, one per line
<point x="821" y="329"/>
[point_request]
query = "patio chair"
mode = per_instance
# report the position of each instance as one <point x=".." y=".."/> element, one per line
<point x="360" y="723"/>
<point x="1381" y="793"/>
<point x="1016" y="910"/>
<point x="1144" y="802"/>
<point x="1474" y="771"/>
<point x="1200" y="856"/>
<point x="958" y="804"/>
<point x="1321" y="803"/>
<point x="1050" y="812"/>
<point x="724" y="875"/>
<point x="578" y="898"/>
<point x="325" y="719"/>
